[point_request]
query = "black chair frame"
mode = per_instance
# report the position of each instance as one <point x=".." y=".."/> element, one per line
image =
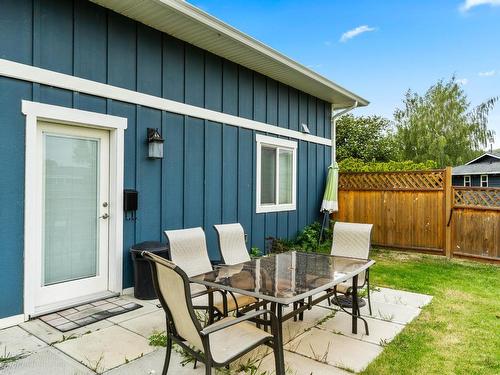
<point x="172" y="336"/>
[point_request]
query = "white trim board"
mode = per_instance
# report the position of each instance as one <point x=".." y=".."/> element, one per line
<point x="128" y="291"/>
<point x="276" y="143"/>
<point x="46" y="77"/>
<point x="33" y="201"/>
<point x="10" y="321"/>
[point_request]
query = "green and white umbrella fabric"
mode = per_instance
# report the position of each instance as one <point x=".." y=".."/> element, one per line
<point x="330" y="198"/>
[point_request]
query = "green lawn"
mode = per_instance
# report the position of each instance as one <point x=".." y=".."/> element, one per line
<point x="458" y="332"/>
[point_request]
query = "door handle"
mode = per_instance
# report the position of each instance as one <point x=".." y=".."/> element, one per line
<point x="105" y="216"/>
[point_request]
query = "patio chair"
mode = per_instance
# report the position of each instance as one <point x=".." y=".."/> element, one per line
<point x="188" y="249"/>
<point x="352" y="240"/>
<point x="218" y="344"/>
<point x="233" y="248"/>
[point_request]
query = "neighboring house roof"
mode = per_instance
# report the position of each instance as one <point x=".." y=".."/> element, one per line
<point x="475" y="167"/>
<point x="494" y="154"/>
<point x="471" y="169"/>
<point x="189" y="23"/>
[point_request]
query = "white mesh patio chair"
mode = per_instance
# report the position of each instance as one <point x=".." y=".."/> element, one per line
<point x="188" y="249"/>
<point x="218" y="344"/>
<point x="353" y="240"/>
<point x="233" y="248"/>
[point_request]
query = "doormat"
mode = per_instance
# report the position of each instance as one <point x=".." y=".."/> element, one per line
<point x="89" y="313"/>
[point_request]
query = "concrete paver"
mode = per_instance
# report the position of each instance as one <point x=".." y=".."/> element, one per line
<point x="380" y="332"/>
<point x="320" y="344"/>
<point x="107" y="348"/>
<point x="334" y="349"/>
<point x="15" y="341"/>
<point x="45" y="361"/>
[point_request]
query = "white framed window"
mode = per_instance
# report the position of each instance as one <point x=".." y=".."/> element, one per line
<point x="484" y="180"/>
<point x="467" y="181"/>
<point x="276" y="174"/>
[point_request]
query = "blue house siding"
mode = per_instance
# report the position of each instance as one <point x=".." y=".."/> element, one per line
<point x="208" y="173"/>
<point x="12" y="194"/>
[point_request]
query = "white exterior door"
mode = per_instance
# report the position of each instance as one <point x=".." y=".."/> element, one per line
<point x="72" y="261"/>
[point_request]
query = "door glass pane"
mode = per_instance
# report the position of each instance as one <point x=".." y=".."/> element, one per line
<point x="71" y="194"/>
<point x="286" y="175"/>
<point x="268" y="176"/>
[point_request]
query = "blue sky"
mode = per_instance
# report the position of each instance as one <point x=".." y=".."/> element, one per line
<point x="379" y="49"/>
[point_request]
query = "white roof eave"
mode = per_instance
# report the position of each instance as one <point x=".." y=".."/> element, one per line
<point x="190" y="24"/>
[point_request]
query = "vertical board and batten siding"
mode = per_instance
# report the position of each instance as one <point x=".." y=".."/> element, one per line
<point x="208" y="173"/>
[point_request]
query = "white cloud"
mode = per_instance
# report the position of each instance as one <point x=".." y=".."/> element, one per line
<point x="355" y="32"/>
<point x="488" y="73"/>
<point x="469" y="4"/>
<point x="462" y="81"/>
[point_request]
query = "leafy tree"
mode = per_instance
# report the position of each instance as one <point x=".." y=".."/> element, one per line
<point x="442" y="126"/>
<point x="368" y="138"/>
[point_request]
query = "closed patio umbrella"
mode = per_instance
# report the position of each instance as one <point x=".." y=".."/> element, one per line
<point x="330" y="198"/>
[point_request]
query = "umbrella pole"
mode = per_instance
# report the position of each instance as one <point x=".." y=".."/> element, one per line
<point x="325" y="219"/>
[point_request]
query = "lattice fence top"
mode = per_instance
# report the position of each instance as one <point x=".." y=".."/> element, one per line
<point x="485" y="198"/>
<point x="417" y="180"/>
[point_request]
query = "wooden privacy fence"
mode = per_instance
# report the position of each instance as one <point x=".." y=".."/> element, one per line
<point x="422" y="211"/>
<point x="475" y="224"/>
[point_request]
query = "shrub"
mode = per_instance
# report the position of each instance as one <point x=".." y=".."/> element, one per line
<point x="357" y="165"/>
<point x="307" y="240"/>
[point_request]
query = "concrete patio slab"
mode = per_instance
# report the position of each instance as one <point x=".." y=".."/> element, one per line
<point x="400" y="297"/>
<point x="402" y="314"/>
<point x="45" y="361"/>
<point x="131" y="297"/>
<point x="296" y="364"/>
<point x="320" y="344"/>
<point x="15" y="341"/>
<point x="292" y="329"/>
<point x="145" y="309"/>
<point x="152" y="363"/>
<point x="251" y="358"/>
<point x="147" y="324"/>
<point x="392" y="296"/>
<point x="381" y="332"/>
<point x="336" y="350"/>
<point x="51" y="335"/>
<point x="107" y="348"/>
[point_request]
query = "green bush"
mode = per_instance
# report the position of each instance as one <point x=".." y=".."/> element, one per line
<point x="307" y="240"/>
<point x="279" y="245"/>
<point x="357" y="165"/>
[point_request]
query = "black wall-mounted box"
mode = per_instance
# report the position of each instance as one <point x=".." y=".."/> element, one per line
<point x="130" y="198"/>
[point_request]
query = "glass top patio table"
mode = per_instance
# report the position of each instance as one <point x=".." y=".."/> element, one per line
<point x="284" y="278"/>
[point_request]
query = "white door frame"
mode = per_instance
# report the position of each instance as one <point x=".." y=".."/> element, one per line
<point x="33" y="199"/>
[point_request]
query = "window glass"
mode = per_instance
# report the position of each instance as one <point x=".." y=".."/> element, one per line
<point x="268" y="176"/>
<point x="275" y="174"/>
<point x="70" y="222"/>
<point x="484" y="181"/>
<point x="466" y="180"/>
<point x="285" y="177"/>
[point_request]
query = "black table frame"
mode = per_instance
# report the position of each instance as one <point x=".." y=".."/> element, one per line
<point x="277" y="307"/>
